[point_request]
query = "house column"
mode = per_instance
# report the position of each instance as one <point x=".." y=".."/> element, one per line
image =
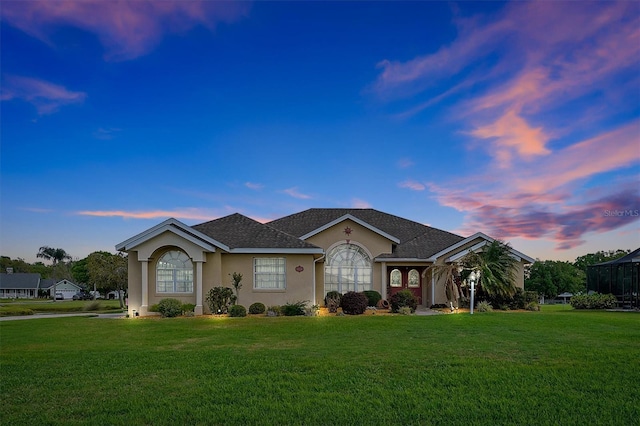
<point x="433" y="288"/>
<point x="383" y="280"/>
<point x="198" y="309"/>
<point x="144" y="306"/>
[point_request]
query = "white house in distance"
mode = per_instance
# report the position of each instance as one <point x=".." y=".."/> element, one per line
<point x="66" y="287"/>
<point x="26" y="286"/>
<point x="299" y="257"/>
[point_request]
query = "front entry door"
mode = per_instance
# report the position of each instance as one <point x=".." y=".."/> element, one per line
<point x="405" y="278"/>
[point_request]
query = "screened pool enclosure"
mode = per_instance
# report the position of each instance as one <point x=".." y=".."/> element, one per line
<point x="618" y="277"/>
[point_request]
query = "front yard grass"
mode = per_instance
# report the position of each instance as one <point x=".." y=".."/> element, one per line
<point x="20" y="307"/>
<point x="557" y="367"/>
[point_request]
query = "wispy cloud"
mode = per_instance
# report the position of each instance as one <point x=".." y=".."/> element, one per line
<point x="126" y="29"/>
<point x="413" y="185"/>
<point x="45" y="96"/>
<point x="545" y="65"/>
<point x="405" y="163"/>
<point x="106" y="133"/>
<point x="190" y="213"/>
<point x="293" y="192"/>
<point x="254" y="186"/>
<point x="357" y="203"/>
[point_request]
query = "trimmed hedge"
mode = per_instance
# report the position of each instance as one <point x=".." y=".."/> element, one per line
<point x="373" y="297"/>
<point x="593" y="301"/>
<point x="257" y="308"/>
<point x="170" y="308"/>
<point x="354" y="303"/>
<point x="237" y="311"/>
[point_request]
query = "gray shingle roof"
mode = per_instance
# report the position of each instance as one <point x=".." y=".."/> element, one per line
<point x="19" y="281"/>
<point x="238" y="231"/>
<point x="416" y="240"/>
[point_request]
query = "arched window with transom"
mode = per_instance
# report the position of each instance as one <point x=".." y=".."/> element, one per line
<point x="348" y="268"/>
<point x="174" y="273"/>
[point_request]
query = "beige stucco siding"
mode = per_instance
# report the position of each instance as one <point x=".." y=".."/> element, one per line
<point x="373" y="243"/>
<point x="168" y="239"/>
<point x="134" y="292"/>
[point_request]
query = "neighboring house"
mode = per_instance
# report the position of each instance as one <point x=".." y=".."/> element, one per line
<point x="19" y="285"/>
<point x="620" y="277"/>
<point x="66" y="287"/>
<point x="299" y="257"/>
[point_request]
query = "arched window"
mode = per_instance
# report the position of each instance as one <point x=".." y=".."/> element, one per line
<point x="396" y="278"/>
<point x="348" y="268"/>
<point x="414" y="278"/>
<point x="174" y="273"/>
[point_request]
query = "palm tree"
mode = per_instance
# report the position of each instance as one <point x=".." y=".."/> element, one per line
<point x="497" y="269"/>
<point x="451" y="275"/>
<point x="55" y="255"/>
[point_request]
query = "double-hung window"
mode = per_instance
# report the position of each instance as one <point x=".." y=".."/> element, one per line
<point x="269" y="273"/>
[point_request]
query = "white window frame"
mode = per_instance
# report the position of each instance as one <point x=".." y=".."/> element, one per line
<point x="270" y="284"/>
<point x="395" y="283"/>
<point x="176" y="275"/>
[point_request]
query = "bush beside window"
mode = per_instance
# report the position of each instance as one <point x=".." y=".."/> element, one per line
<point x="257" y="308"/>
<point x="373" y="297"/>
<point x="354" y="303"/>
<point x="170" y="308"/>
<point x="237" y="311"/>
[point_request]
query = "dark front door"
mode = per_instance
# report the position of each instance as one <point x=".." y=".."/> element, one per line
<point x="405" y="278"/>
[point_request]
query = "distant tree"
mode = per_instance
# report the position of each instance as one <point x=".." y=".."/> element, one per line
<point x="59" y="270"/>
<point x="18" y="265"/>
<point x="80" y="272"/>
<point x="552" y="277"/>
<point x="108" y="272"/>
<point x="587" y="260"/>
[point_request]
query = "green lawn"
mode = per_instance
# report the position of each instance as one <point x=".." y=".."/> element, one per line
<point x="23" y="306"/>
<point x="555" y="367"/>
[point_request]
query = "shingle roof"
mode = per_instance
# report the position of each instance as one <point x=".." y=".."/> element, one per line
<point x="238" y="231"/>
<point x="19" y="281"/>
<point x="416" y="240"/>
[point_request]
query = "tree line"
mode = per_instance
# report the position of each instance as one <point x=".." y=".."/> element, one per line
<point x="100" y="271"/>
<point x="553" y="277"/>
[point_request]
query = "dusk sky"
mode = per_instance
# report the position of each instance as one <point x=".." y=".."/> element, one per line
<point x="520" y="120"/>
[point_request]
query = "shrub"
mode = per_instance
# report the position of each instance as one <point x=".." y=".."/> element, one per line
<point x="219" y="299"/>
<point x="405" y="310"/>
<point x="354" y="303"/>
<point x="373" y="297"/>
<point x="292" y="309"/>
<point x="188" y="309"/>
<point x="333" y="295"/>
<point x="532" y="306"/>
<point x="257" y="308"/>
<point x="274" y="311"/>
<point x="484" y="306"/>
<point x="154" y="308"/>
<point x="593" y="301"/>
<point x="403" y="298"/>
<point x="170" y="308"/>
<point x="237" y="311"/>
<point x="312" y="311"/>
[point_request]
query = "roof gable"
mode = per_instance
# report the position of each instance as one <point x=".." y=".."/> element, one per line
<point x="356" y="220"/>
<point x="483" y="240"/>
<point x="244" y="235"/>
<point x="174" y="226"/>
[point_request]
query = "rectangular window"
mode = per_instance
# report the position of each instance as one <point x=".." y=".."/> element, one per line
<point x="269" y="273"/>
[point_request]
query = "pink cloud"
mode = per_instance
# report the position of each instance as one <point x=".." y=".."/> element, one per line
<point x="126" y="29"/>
<point x="293" y="192"/>
<point x="45" y="96"/>
<point x="413" y="185"/>
<point x="195" y="214"/>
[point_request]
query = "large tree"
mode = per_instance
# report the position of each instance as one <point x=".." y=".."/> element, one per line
<point x="108" y="272"/>
<point x="497" y="269"/>
<point x="587" y="260"/>
<point x="552" y="277"/>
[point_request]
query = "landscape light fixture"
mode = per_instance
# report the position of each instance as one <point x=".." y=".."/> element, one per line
<point x="473" y="277"/>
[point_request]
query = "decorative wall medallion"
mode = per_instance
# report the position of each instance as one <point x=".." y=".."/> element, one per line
<point x="348" y="230"/>
<point x="299" y="268"/>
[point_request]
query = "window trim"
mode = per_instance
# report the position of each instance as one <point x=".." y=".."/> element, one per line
<point x="397" y="272"/>
<point x="283" y="274"/>
<point x="174" y="274"/>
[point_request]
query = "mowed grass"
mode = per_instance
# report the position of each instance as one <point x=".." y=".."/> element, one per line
<point x="552" y="367"/>
<point x="17" y="307"/>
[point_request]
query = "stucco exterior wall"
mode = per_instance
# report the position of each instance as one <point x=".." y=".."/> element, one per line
<point x="135" y="282"/>
<point x="373" y="243"/>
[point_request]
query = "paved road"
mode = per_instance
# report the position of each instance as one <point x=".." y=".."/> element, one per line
<point x="79" y="314"/>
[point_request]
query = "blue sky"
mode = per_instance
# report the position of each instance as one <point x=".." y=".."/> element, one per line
<point x="520" y="120"/>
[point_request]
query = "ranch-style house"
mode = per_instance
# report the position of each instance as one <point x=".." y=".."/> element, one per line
<point x="299" y="257"/>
